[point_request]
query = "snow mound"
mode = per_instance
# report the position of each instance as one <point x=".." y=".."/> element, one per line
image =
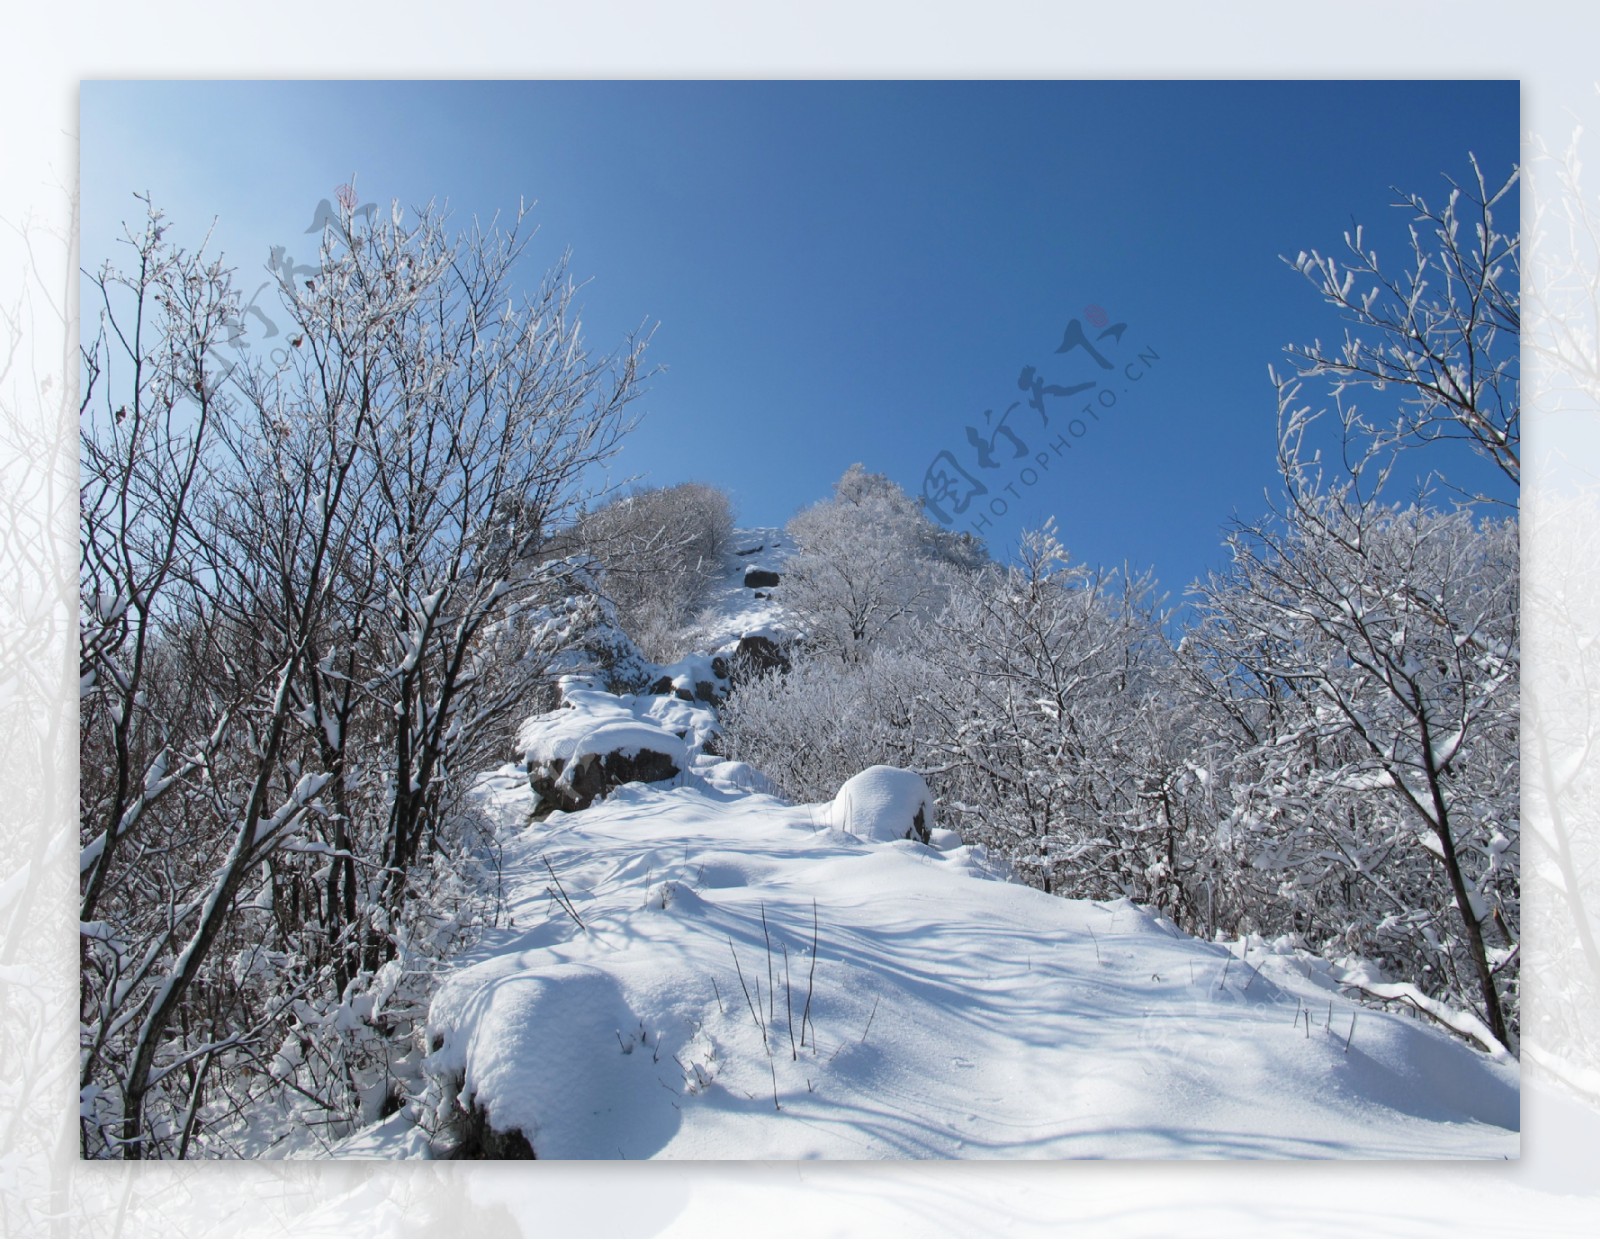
<point x="884" y="803"/>
<point x="745" y="985"/>
<point x="734" y="777"/>
<point x="592" y="723"/>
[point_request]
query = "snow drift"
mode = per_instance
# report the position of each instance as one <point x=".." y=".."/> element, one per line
<point x="698" y="969"/>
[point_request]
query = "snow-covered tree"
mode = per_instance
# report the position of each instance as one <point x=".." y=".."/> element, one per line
<point x="1038" y="719"/>
<point x="659" y="550"/>
<point x="869" y="564"/>
<point x="1377" y="646"/>
<point x="304" y="626"/>
<point x="1440" y="331"/>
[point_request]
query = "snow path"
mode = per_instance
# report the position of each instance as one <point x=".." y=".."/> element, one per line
<point x="954" y="1014"/>
<point x="732" y="610"/>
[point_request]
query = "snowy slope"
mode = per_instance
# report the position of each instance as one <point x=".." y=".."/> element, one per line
<point x="953" y="1014"/>
<point x="732" y="611"/>
<point x="946" y="1011"/>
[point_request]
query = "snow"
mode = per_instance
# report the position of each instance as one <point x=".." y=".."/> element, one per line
<point x="882" y="803"/>
<point x="953" y="1014"/>
<point x="754" y="979"/>
<point x="593" y="722"/>
<point x="733" y="610"/>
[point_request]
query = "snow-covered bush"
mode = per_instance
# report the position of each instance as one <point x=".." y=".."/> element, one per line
<point x="1041" y="716"/>
<point x="801" y="728"/>
<point x="658" y="552"/>
<point x="870" y="565"/>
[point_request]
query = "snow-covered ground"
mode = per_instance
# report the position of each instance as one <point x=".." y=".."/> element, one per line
<point x="699" y="970"/>
<point x="952" y="1014"/>
<point x="733" y="611"/>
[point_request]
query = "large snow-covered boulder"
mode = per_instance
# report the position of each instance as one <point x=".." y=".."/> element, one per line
<point x="885" y="803"/>
<point x="596" y="742"/>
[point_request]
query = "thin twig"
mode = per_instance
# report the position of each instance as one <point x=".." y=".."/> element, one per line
<point x="788" y="1002"/>
<point x="868" y="1029"/>
<point x="566" y="900"/>
<point x="805" y="1016"/>
<point x="772" y="993"/>
<point x="565" y="907"/>
<point x="754" y="1015"/>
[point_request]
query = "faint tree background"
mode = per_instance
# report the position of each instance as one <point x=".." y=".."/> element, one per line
<point x="1561" y="680"/>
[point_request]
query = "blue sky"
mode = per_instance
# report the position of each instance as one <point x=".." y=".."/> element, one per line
<point x="856" y="271"/>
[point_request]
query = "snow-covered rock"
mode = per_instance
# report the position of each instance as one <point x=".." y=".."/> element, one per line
<point x="598" y="741"/>
<point x="884" y="803"/>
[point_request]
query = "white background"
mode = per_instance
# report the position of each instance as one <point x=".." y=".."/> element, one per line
<point x="1554" y="1189"/>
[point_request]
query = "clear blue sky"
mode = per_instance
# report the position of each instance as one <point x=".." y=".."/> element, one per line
<point x="856" y="271"/>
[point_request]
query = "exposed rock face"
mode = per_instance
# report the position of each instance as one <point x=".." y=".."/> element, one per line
<point x="594" y="776"/>
<point x="760" y="578"/>
<point x="479" y="1140"/>
<point x="756" y="655"/>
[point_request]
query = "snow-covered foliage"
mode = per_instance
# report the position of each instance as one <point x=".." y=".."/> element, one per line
<point x="747" y="982"/>
<point x="1371" y="653"/>
<point x="802" y="728"/>
<point x="1439" y="333"/>
<point x="1039" y="719"/>
<point x="311" y="612"/>
<point x="869" y="566"/>
<point x="659" y="551"/>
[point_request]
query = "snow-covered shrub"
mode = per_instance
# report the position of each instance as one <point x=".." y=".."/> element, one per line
<point x="801" y="728"/>
<point x="870" y="565"/>
<point x="1039" y="719"/>
<point x="658" y="551"/>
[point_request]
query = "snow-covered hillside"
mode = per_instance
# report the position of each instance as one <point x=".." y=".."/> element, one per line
<point x="697" y="969"/>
